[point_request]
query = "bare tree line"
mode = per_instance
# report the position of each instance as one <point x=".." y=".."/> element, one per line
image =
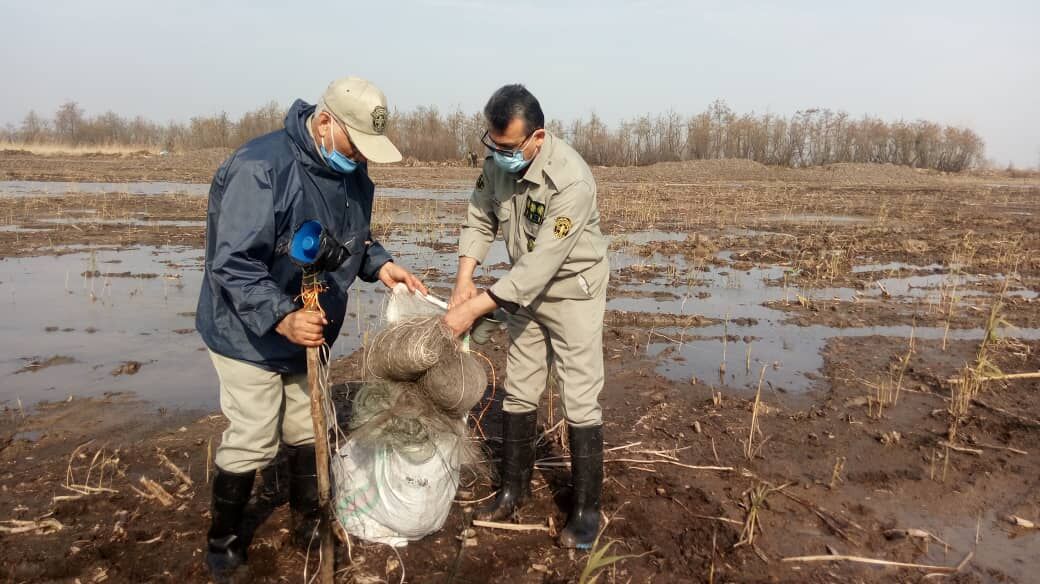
<point x="809" y="137"/>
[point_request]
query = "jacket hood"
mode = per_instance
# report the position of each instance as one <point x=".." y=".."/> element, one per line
<point x="299" y="132"/>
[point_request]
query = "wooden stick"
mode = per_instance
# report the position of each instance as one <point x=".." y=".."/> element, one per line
<point x="672" y="462"/>
<point x="1003" y="377"/>
<point x="176" y="470"/>
<point x="510" y="526"/>
<point x="964" y="449"/>
<point x="20" y="526"/>
<point x="156" y="490"/>
<point x="562" y="464"/>
<point x="999" y="447"/>
<point x="862" y="560"/>
<point x="321" y="454"/>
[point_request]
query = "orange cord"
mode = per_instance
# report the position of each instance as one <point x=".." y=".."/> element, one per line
<point x="310" y="293"/>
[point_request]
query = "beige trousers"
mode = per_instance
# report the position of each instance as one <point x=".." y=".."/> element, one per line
<point x="564" y="333"/>
<point x="264" y="408"/>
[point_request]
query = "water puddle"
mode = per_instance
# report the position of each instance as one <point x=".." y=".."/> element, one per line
<point x="28" y="435"/>
<point x="104" y="321"/>
<point x="28" y="188"/>
<point x="895" y="267"/>
<point x="19" y="229"/>
<point x="128" y="221"/>
<point x="756" y="335"/>
<point x="144" y="313"/>
<point x="996" y="547"/>
<point x="645" y="237"/>
<point x="431" y="194"/>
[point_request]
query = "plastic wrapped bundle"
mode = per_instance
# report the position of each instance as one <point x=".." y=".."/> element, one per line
<point x="455" y="383"/>
<point x="406" y="349"/>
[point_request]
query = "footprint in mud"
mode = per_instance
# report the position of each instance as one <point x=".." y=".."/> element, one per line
<point x="37" y="363"/>
<point x="127" y="368"/>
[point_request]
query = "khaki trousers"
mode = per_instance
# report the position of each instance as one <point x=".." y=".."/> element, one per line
<point x="564" y="333"/>
<point x="264" y="408"/>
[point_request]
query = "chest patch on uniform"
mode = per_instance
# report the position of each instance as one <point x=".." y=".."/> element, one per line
<point x="562" y="227"/>
<point x="480" y="182"/>
<point x="534" y="211"/>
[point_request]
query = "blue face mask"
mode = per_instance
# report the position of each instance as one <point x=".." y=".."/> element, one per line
<point x="511" y="164"/>
<point x="336" y="160"/>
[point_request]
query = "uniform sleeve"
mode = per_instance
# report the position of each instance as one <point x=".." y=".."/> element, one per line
<point x="245" y="242"/>
<point x="478" y="233"/>
<point x="566" y="215"/>
<point x="375" y="257"/>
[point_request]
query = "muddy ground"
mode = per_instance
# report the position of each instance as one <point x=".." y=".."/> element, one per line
<point x="895" y="272"/>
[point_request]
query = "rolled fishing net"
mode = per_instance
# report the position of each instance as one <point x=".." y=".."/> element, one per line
<point x="421" y="384"/>
<point x="455" y="383"/>
<point x="407" y="348"/>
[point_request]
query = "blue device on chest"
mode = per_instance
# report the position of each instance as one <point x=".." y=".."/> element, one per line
<point x="314" y="249"/>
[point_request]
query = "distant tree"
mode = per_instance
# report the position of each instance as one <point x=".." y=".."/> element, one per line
<point x="68" y="121"/>
<point x="34" y="128"/>
<point x="258" y="122"/>
<point x="812" y="136"/>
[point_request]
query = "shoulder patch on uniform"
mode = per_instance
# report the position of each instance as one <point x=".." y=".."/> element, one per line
<point x="480" y="182"/>
<point x="562" y="227"/>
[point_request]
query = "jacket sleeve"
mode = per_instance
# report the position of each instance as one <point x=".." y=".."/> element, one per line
<point x="531" y="274"/>
<point x="375" y="257"/>
<point x="245" y="242"/>
<point x="478" y="232"/>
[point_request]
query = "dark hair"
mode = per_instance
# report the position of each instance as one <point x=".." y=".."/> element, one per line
<point x="514" y="101"/>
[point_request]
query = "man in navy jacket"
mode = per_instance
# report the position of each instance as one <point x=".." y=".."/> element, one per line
<point x="249" y="314"/>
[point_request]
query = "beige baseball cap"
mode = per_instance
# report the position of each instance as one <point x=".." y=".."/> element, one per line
<point x="361" y="107"/>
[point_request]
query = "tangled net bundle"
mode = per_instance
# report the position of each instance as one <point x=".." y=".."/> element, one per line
<point x="455" y="383"/>
<point x="397" y="415"/>
<point x="424" y="385"/>
<point x="405" y="350"/>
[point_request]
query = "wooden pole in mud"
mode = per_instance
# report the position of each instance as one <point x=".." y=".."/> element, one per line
<point x="321" y="444"/>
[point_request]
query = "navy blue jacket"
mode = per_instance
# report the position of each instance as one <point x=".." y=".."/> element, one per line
<point x="259" y="196"/>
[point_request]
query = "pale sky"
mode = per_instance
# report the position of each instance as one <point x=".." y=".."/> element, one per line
<point x="973" y="63"/>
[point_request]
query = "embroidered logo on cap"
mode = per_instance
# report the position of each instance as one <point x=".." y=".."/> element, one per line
<point x="379" y="119"/>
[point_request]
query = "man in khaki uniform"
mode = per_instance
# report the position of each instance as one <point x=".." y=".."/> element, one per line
<point x="541" y="195"/>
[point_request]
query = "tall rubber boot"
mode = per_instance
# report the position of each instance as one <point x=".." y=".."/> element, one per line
<point x="226" y="550"/>
<point x="518" y="434"/>
<point x="587" y="486"/>
<point x="303" y="495"/>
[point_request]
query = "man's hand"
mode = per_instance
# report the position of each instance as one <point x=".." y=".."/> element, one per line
<point x="303" y="327"/>
<point x="464" y="290"/>
<point x="391" y="274"/>
<point x="464" y="287"/>
<point x="460" y="318"/>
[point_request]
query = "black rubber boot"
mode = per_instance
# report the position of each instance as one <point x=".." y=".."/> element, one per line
<point x="518" y="434"/>
<point x="303" y="495"/>
<point x="227" y="551"/>
<point x="274" y="480"/>
<point x="586" y="487"/>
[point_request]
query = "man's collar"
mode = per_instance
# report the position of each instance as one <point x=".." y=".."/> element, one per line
<point x="537" y="166"/>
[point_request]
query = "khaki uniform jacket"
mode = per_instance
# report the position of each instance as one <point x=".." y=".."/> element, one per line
<point x="549" y="220"/>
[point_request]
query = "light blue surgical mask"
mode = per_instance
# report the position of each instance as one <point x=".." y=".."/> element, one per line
<point x="336" y="160"/>
<point x="510" y="163"/>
